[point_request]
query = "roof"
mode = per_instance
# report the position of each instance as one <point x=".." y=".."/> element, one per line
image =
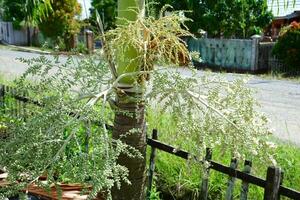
<point x="281" y="8"/>
<point x="290" y="16"/>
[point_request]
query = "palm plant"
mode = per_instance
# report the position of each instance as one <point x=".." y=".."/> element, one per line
<point x="134" y="55"/>
<point x="130" y="108"/>
<point x="34" y="11"/>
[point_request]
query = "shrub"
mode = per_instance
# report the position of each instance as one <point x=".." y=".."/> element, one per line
<point x="287" y="47"/>
<point x="81" y="48"/>
<point x="62" y="22"/>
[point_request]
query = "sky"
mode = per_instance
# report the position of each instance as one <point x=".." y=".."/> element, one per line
<point x="278" y="7"/>
<point x="85" y="12"/>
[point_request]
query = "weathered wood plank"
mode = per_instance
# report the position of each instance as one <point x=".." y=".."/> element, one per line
<point x="245" y="184"/>
<point x="213" y="164"/>
<point x="168" y="148"/>
<point x="28" y="100"/>
<point x="238" y="174"/>
<point x="151" y="164"/>
<point x="293" y="194"/>
<point x="2" y="96"/>
<point x="231" y="181"/>
<point x="24" y="111"/>
<point x="205" y="179"/>
<point x="273" y="181"/>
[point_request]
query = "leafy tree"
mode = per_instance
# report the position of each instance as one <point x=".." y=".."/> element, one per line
<point x="107" y="10"/>
<point x="226" y="18"/>
<point x="257" y="17"/>
<point x="14" y="11"/>
<point x="1" y="9"/>
<point x="61" y="21"/>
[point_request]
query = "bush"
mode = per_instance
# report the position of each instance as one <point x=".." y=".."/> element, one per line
<point x="287" y="47"/>
<point x="62" y="22"/>
<point x="81" y="48"/>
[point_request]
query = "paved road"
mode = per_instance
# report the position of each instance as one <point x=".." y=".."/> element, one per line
<point x="10" y="67"/>
<point x="280" y="100"/>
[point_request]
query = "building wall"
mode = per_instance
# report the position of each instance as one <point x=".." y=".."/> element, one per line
<point x="276" y="27"/>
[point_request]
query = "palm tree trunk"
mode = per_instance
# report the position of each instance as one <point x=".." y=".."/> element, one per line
<point x="130" y="117"/>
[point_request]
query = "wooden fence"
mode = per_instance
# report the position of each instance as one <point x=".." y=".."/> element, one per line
<point x="17" y="107"/>
<point x="272" y="185"/>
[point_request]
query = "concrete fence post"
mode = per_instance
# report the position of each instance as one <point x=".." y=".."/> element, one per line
<point x="255" y="52"/>
<point x="89" y="41"/>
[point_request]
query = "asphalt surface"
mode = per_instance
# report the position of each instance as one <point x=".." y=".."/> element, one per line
<point x="10" y="67"/>
<point x="280" y="99"/>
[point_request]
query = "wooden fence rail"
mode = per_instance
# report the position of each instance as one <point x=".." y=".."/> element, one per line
<point x="272" y="185"/>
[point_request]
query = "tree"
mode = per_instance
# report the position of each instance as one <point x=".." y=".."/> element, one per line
<point x="34" y="11"/>
<point x="130" y="113"/>
<point x="1" y="9"/>
<point x="61" y="21"/>
<point x="107" y="10"/>
<point x="256" y="18"/>
<point x="14" y="11"/>
<point x="224" y="18"/>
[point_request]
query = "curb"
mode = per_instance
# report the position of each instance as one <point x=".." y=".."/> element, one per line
<point x="26" y="49"/>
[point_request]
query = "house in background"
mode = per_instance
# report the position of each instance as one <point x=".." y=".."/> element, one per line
<point x="285" y="12"/>
<point x="280" y="22"/>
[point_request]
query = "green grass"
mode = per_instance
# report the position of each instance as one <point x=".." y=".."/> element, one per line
<point x="4" y="80"/>
<point x="2" y="46"/>
<point x="179" y="179"/>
